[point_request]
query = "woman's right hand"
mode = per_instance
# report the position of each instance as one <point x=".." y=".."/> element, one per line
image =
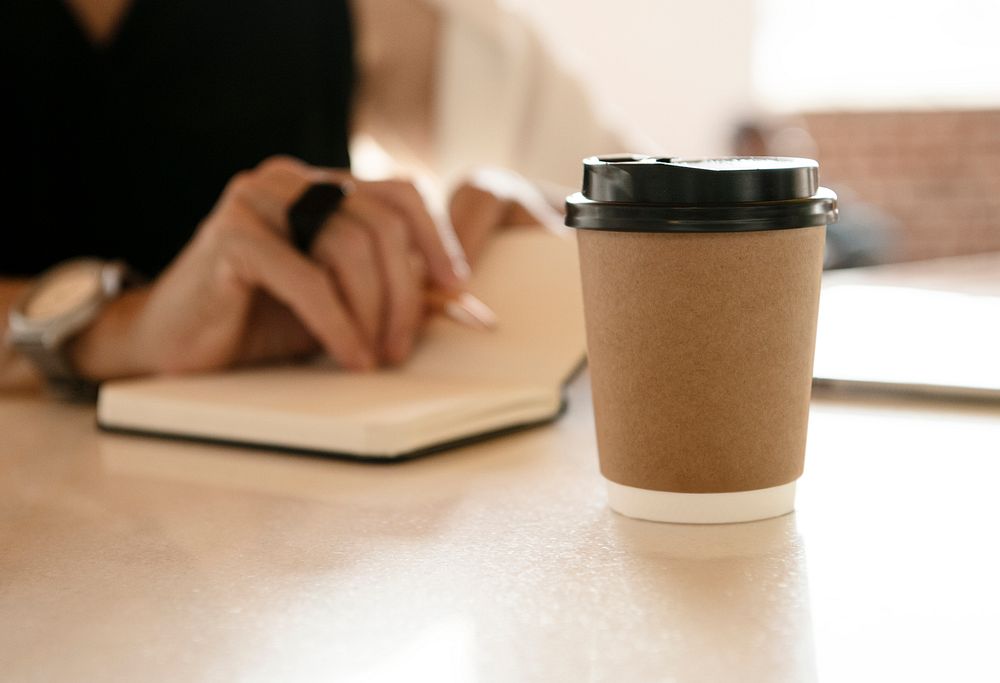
<point x="239" y="292"/>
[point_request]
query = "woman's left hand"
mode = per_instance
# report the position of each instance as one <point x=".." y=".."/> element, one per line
<point x="493" y="199"/>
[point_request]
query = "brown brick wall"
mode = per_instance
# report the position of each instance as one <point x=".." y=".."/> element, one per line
<point x="936" y="172"/>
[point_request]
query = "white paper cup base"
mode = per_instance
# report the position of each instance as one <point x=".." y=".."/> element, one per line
<point x="701" y="508"/>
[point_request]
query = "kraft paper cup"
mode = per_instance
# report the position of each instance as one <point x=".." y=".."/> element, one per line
<point x="701" y="309"/>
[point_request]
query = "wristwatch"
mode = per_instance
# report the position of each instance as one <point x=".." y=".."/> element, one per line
<point x="63" y="302"/>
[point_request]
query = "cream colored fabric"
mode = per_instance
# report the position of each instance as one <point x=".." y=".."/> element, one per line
<point x="503" y="99"/>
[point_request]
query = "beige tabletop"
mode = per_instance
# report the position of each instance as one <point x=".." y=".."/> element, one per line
<point x="128" y="559"/>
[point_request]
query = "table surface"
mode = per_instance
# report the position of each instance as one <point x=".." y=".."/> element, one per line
<point x="128" y="559"/>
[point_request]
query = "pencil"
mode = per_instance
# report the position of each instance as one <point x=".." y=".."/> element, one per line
<point x="463" y="308"/>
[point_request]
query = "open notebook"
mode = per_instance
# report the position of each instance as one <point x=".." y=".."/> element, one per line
<point x="907" y="340"/>
<point x="460" y="384"/>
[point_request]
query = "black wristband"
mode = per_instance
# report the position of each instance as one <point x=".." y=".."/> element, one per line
<point x="310" y="211"/>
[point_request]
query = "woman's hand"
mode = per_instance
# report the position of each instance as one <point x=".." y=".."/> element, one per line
<point x="239" y="292"/>
<point x="493" y="199"/>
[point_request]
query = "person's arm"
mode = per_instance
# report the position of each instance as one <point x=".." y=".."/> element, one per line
<point x="240" y="292"/>
<point x="460" y="84"/>
<point x="463" y="87"/>
<point x="396" y="62"/>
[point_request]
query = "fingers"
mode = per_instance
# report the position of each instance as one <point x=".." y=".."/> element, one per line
<point x="520" y="215"/>
<point x="277" y="183"/>
<point x="285" y="336"/>
<point x="476" y="214"/>
<point x="272" y="188"/>
<point x="261" y="259"/>
<point x="443" y="253"/>
<point x="368" y="247"/>
<point x="346" y="248"/>
<point x="403" y="291"/>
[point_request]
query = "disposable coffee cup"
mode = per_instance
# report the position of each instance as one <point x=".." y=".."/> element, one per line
<point x="701" y="282"/>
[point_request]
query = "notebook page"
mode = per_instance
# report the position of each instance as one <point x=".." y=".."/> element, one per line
<point x="904" y="335"/>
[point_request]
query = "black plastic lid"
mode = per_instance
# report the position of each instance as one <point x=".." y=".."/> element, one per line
<point x="656" y="194"/>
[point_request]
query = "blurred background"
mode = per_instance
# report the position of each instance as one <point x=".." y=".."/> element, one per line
<point x="899" y="101"/>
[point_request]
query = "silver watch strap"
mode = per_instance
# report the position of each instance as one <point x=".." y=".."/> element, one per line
<point x="59" y="373"/>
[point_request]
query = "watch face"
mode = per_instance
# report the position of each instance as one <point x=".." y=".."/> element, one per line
<point x="65" y="291"/>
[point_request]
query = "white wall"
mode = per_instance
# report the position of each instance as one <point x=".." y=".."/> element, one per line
<point x="680" y="72"/>
<point x="894" y="54"/>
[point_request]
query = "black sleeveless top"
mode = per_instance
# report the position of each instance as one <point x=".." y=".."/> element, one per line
<point x="120" y="152"/>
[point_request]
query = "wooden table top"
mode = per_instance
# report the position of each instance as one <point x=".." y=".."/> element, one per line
<point x="127" y="559"/>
